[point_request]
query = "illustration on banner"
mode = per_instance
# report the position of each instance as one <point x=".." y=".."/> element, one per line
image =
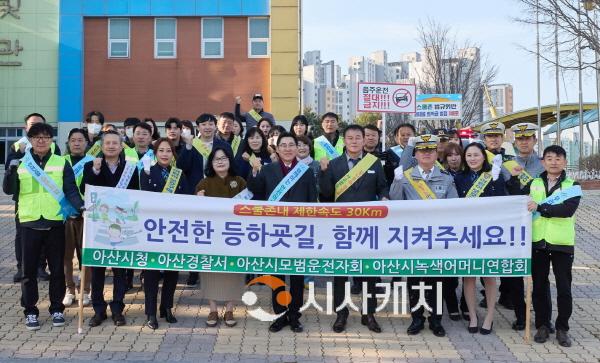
<point x="118" y="217"/>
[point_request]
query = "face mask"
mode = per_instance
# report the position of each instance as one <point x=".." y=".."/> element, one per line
<point x="186" y="133"/>
<point x="94" y="128"/>
<point x="129" y="133"/>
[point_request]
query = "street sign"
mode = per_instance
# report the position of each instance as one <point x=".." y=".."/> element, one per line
<point x="386" y="97"/>
<point x="439" y="107"/>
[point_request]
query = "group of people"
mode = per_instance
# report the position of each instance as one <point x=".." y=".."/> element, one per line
<point x="215" y="157"/>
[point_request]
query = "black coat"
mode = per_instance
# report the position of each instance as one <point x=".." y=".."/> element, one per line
<point x="106" y="178"/>
<point x="464" y="180"/>
<point x="304" y="191"/>
<point x="191" y="162"/>
<point x="155" y="181"/>
<point x="371" y="186"/>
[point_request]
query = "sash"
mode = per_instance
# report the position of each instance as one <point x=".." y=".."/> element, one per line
<point x="235" y="144"/>
<point x="524" y="177"/>
<point x="288" y="182"/>
<point x="128" y="171"/>
<point x="244" y="194"/>
<point x="420" y="186"/>
<point x="66" y="209"/>
<point x="255" y="115"/>
<point x="354" y="174"/>
<point x="560" y="197"/>
<point x="479" y="186"/>
<point x="439" y="165"/>
<point x="201" y="148"/>
<point x="95" y="149"/>
<point x="148" y="154"/>
<point x="329" y="149"/>
<point x="172" y="181"/>
<point x="78" y="168"/>
<point x="23" y="140"/>
<point x="397" y="150"/>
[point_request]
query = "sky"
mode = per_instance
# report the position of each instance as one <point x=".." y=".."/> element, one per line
<point x="344" y="28"/>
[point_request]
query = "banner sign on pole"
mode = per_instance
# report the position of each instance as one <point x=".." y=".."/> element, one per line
<point x="386" y="97"/>
<point x="439" y="107"/>
<point x="145" y="230"/>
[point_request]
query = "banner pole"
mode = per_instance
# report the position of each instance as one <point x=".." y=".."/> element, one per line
<point x="528" y="311"/>
<point x="81" y="292"/>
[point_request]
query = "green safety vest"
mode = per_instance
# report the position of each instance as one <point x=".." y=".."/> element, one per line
<point x="320" y="152"/>
<point x="131" y="155"/>
<point x="78" y="179"/>
<point x="34" y="201"/>
<point x="556" y="231"/>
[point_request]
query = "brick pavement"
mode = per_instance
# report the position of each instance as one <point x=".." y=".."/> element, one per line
<point x="189" y="340"/>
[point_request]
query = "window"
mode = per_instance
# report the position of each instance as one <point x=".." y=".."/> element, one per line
<point x="165" y="38"/>
<point x="212" y="38"/>
<point x="258" y="37"/>
<point x="118" y="38"/>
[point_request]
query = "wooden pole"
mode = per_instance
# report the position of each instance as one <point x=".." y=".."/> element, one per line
<point x="528" y="311"/>
<point x="81" y="292"/>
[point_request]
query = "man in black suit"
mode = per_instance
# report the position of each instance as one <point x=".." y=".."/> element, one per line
<point x="264" y="180"/>
<point x="370" y="186"/>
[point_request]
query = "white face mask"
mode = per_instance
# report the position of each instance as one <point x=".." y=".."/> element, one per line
<point x="186" y="133"/>
<point x="129" y="132"/>
<point x="94" y="128"/>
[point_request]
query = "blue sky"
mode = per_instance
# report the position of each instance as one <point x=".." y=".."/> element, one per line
<point x="343" y="28"/>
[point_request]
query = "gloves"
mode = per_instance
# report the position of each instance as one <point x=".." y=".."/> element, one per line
<point x="147" y="162"/>
<point x="399" y="173"/>
<point x="412" y="141"/>
<point x="496" y="167"/>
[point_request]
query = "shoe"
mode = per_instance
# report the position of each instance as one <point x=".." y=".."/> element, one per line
<point x="296" y="325"/>
<point x="415" y="326"/>
<point x="518" y="325"/>
<point x="484" y="331"/>
<point x="86" y="299"/>
<point x="58" y="319"/>
<point x="228" y="319"/>
<point x="369" y="321"/>
<point x="542" y="334"/>
<point x="340" y="323"/>
<point x="472" y="329"/>
<point x="129" y="286"/>
<point x="355" y="289"/>
<point x="483" y="303"/>
<point x="437" y="328"/>
<point x="563" y="338"/>
<point x="212" y="320"/>
<point x="455" y="316"/>
<point x="68" y="299"/>
<point x="118" y="319"/>
<point x="279" y="324"/>
<point x="506" y="303"/>
<point x="168" y="315"/>
<point x="551" y="329"/>
<point x="465" y="315"/>
<point x="192" y="280"/>
<point x="18" y="276"/>
<point x="97" y="319"/>
<point x="379" y="290"/>
<point x="152" y="323"/>
<point x="42" y="275"/>
<point x="31" y="322"/>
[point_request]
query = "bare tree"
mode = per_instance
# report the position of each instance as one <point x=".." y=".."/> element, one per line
<point x="453" y="66"/>
<point x="575" y="18"/>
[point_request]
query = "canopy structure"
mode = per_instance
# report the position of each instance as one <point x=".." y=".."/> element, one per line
<point x="573" y="121"/>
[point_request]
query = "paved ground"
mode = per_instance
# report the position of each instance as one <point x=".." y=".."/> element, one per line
<point x="190" y="340"/>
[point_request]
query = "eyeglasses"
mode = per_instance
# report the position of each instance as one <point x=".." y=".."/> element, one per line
<point x="221" y="159"/>
<point x="41" y="138"/>
<point x="286" y="146"/>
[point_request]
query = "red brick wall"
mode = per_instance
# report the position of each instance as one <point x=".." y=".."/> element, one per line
<point x="184" y="87"/>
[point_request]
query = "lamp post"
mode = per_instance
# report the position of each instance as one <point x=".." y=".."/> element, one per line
<point x="591" y="5"/>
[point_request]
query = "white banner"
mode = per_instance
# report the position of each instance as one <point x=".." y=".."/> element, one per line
<point x="460" y="237"/>
<point x="386" y="97"/>
<point x="439" y="107"/>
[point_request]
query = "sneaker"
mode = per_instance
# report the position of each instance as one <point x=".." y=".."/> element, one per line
<point x="32" y="323"/>
<point x="86" y="299"/>
<point x="58" y="319"/>
<point x="68" y="299"/>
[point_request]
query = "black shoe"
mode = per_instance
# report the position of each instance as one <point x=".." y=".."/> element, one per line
<point x="168" y="315"/>
<point x="563" y="338"/>
<point x="415" y="326"/>
<point x="42" y="275"/>
<point x="97" y="319"/>
<point x="551" y="329"/>
<point x="465" y="316"/>
<point x="356" y="289"/>
<point x="455" y="316"/>
<point x="296" y="325"/>
<point x="484" y="331"/>
<point x="379" y="290"/>
<point x="18" y="276"/>
<point x="483" y="303"/>
<point x="437" y="328"/>
<point x="128" y="286"/>
<point x="192" y="280"/>
<point x="152" y="323"/>
<point x="506" y="303"/>
<point x="369" y="321"/>
<point x="279" y="324"/>
<point x="118" y="319"/>
<point x="472" y="329"/>
<point x="518" y="325"/>
<point x="542" y="334"/>
<point x="340" y="323"/>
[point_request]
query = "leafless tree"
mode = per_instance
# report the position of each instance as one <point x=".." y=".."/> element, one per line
<point x="450" y="65"/>
<point x="576" y="19"/>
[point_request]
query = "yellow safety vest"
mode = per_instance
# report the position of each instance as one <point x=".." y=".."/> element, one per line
<point x="131" y="155"/>
<point x="34" y="201"/>
<point x="556" y="231"/>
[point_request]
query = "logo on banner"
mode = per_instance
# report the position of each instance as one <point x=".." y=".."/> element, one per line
<point x="284" y="298"/>
<point x="117" y="217"/>
<point x="402" y="98"/>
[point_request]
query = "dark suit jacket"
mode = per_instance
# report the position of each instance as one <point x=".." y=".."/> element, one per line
<point x="155" y="182"/>
<point x="304" y="191"/>
<point x="371" y="186"/>
<point x="106" y="178"/>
